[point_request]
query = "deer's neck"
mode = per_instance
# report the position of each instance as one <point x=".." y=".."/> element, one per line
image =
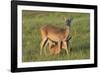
<point x="67" y="29"/>
<point x="67" y="32"/>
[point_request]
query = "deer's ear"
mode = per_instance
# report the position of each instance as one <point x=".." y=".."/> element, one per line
<point x="64" y="18"/>
<point x="71" y="18"/>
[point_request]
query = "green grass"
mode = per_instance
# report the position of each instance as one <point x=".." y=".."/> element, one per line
<point x="31" y="37"/>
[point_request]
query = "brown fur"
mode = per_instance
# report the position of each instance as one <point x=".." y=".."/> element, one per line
<point x="53" y="49"/>
<point x="54" y="33"/>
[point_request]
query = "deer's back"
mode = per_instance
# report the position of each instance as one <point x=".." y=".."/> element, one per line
<point x="54" y="33"/>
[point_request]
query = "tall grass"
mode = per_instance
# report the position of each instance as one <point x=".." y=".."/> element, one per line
<point x="31" y="37"/>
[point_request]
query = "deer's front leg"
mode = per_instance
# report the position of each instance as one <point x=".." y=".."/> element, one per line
<point x="66" y="47"/>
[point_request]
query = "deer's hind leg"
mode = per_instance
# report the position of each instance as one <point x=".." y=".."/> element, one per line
<point x="42" y="44"/>
<point x="59" y="46"/>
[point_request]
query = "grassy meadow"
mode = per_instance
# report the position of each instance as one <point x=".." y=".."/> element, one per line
<point x="31" y="37"/>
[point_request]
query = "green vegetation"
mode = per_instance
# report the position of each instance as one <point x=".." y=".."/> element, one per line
<point x="31" y="37"/>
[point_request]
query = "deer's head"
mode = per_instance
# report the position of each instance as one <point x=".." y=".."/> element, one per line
<point x="68" y="21"/>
